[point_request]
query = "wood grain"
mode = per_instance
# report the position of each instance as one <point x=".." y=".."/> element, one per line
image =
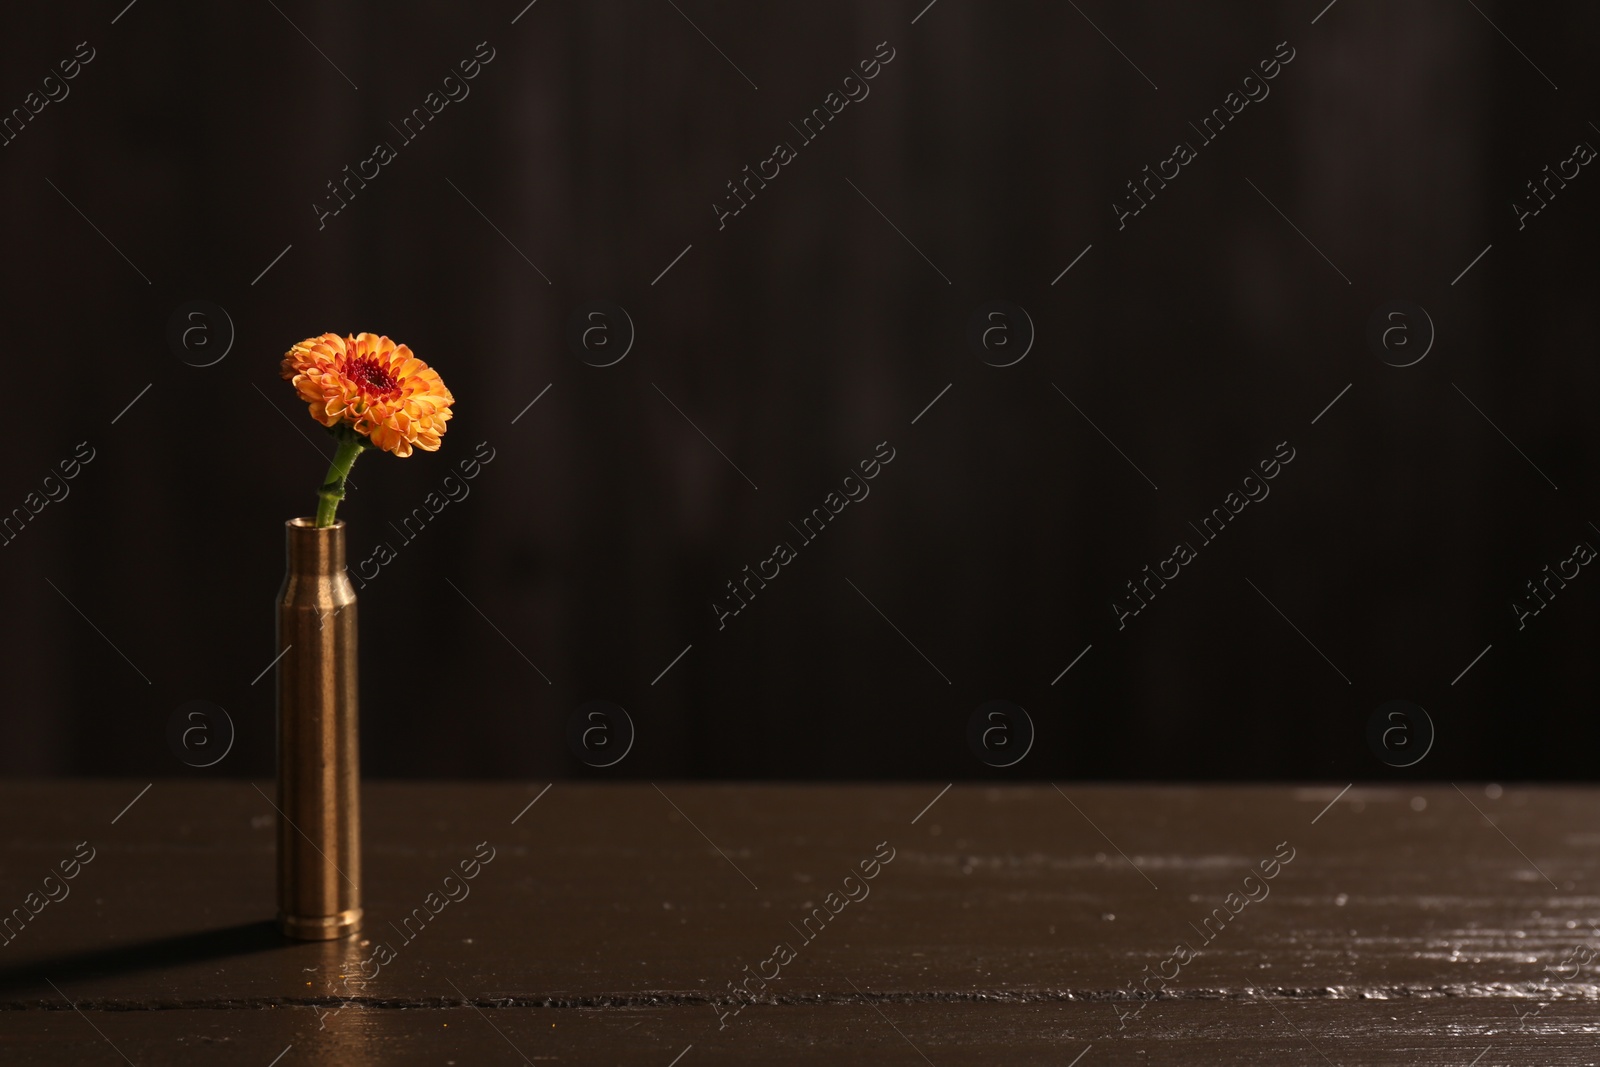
<point x="1424" y="925"/>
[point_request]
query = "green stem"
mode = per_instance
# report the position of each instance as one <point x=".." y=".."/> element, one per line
<point x="332" y="491"/>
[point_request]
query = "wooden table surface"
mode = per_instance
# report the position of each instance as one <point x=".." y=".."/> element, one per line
<point x="605" y="924"/>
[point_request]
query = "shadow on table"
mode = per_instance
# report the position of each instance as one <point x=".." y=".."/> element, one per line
<point x="152" y="955"/>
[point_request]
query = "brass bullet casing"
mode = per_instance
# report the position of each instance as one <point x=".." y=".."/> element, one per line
<point x="319" y="773"/>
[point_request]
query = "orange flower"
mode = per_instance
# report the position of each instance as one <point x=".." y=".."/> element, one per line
<point x="372" y="385"/>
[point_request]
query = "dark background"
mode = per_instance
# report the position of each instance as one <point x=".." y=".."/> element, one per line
<point x="798" y="338"/>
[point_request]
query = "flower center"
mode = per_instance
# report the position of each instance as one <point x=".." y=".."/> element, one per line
<point x="371" y="376"/>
